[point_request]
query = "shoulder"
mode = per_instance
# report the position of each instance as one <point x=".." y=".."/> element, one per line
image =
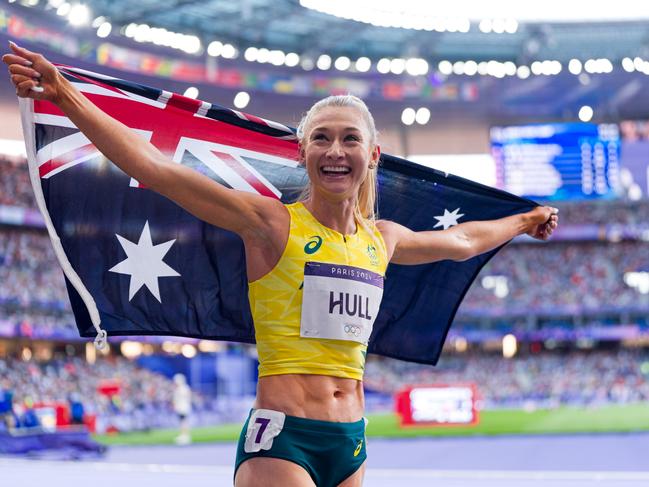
<point x="392" y="233"/>
<point x="390" y="230"/>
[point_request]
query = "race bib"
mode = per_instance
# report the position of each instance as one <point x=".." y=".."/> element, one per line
<point x="339" y="302"/>
<point x="263" y="426"/>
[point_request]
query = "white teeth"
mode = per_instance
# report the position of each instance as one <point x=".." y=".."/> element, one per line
<point x="340" y="169"/>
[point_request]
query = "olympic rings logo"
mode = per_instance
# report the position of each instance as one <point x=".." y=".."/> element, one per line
<point x="353" y="330"/>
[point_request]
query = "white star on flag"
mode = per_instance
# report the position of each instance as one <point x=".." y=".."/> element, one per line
<point x="144" y="263"/>
<point x="448" y="219"/>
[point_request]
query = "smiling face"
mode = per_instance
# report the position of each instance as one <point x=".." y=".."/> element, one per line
<point x="337" y="150"/>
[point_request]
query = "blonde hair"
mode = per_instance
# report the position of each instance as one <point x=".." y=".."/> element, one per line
<point x="366" y="201"/>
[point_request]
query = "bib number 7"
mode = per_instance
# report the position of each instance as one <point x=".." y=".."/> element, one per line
<point x="263" y="426"/>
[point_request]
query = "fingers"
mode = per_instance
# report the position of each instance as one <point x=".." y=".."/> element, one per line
<point x="13" y="59"/>
<point x="28" y="89"/>
<point x="17" y="69"/>
<point x="24" y="53"/>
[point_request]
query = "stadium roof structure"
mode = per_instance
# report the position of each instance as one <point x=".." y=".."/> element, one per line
<point x="525" y="64"/>
<point x="291" y="26"/>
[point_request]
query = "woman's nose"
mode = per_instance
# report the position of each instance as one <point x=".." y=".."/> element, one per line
<point x="335" y="150"/>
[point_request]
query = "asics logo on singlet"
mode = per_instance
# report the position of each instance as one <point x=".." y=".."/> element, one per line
<point x="353" y="330"/>
<point x="313" y="245"/>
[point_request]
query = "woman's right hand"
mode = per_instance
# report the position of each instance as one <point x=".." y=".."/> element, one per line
<point x="33" y="75"/>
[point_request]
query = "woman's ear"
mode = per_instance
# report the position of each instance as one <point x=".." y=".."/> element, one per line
<point x="301" y="156"/>
<point x="376" y="155"/>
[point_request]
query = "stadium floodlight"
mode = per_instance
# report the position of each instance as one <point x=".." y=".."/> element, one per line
<point x="574" y="66"/>
<point x="229" y="51"/>
<point x="498" y="26"/>
<point x="627" y="65"/>
<point x="104" y="30"/>
<point x="458" y="67"/>
<point x="188" y="350"/>
<point x="98" y="21"/>
<point x="638" y="64"/>
<point x="523" y="72"/>
<point x="461" y="344"/>
<point x="324" y="62"/>
<point x="307" y="64"/>
<point x="292" y="59"/>
<point x="215" y="48"/>
<point x="638" y="280"/>
<point x="363" y="64"/>
<point x="470" y="68"/>
<point x="54" y="3"/>
<point x="130" y="29"/>
<point x="250" y="54"/>
<point x="415" y="14"/>
<point x="141" y="33"/>
<point x="397" y="65"/>
<point x="263" y="55"/>
<point x="131" y="349"/>
<point x="598" y="66"/>
<point x="383" y="66"/>
<point x="343" y="63"/>
<point x="509" y="68"/>
<point x="422" y="116"/>
<point x="408" y="116"/>
<point x="585" y="113"/>
<point x="416" y="66"/>
<point x="191" y="92"/>
<point x="277" y="57"/>
<point x="554" y="67"/>
<point x="511" y="26"/>
<point x="445" y="67"/>
<point x="241" y="100"/>
<point x="496" y="69"/>
<point x="510" y="346"/>
<point x="79" y="15"/>
<point x="63" y="9"/>
<point x="485" y="26"/>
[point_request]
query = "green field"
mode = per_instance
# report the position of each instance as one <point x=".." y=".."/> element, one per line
<point x="505" y="422"/>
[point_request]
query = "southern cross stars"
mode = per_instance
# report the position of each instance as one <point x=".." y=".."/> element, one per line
<point x="144" y="263"/>
<point x="448" y="219"/>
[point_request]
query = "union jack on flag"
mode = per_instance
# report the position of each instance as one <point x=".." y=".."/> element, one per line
<point x="136" y="263"/>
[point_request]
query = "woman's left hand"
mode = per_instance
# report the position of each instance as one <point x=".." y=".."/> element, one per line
<point x="543" y="220"/>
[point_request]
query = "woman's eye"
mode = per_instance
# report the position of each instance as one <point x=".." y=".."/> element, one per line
<point x="352" y="137"/>
<point x="318" y="137"/>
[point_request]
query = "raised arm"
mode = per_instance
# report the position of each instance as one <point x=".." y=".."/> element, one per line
<point x="253" y="217"/>
<point x="466" y="240"/>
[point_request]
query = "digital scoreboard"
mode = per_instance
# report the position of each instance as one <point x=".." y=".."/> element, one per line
<point x="564" y="161"/>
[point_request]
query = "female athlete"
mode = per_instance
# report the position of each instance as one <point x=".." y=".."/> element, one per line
<point x="315" y="270"/>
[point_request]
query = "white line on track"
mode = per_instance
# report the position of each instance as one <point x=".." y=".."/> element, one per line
<point x="401" y="473"/>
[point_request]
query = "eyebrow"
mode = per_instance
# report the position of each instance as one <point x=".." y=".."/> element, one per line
<point x="326" y="129"/>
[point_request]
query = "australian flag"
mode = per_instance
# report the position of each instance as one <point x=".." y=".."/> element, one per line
<point x="136" y="263"/>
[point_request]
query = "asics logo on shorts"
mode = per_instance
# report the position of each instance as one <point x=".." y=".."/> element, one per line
<point x="358" y="448"/>
<point x="353" y="330"/>
<point x="313" y="245"/>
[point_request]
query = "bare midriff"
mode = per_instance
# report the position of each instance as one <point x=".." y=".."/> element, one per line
<point x="312" y="396"/>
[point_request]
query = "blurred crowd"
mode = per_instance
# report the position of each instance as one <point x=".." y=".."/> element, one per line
<point x="119" y="394"/>
<point x="15" y="187"/>
<point x="29" y="274"/>
<point x="573" y="277"/>
<point x="603" y="212"/>
<point x="540" y="380"/>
